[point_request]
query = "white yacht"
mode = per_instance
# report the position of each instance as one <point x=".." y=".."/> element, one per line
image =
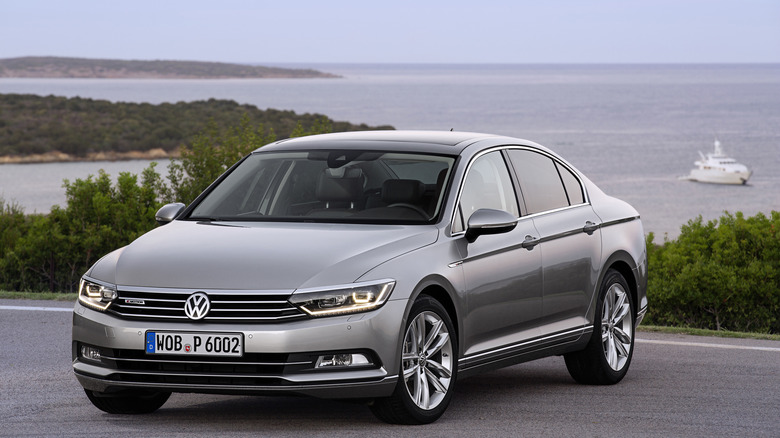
<point x="717" y="168"/>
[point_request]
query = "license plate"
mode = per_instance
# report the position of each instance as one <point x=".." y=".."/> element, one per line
<point x="195" y="344"/>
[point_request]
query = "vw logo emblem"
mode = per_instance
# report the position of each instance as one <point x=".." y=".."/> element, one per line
<point x="197" y="306"/>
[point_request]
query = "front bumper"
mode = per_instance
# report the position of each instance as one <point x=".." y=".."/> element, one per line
<point x="278" y="358"/>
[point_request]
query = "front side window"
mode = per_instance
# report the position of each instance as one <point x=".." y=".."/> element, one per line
<point x="331" y="185"/>
<point x="487" y="185"/>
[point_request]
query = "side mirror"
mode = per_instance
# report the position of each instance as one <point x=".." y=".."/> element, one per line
<point x="168" y="212"/>
<point x="489" y="221"/>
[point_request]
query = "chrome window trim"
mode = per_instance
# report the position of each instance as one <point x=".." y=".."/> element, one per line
<point x="463" y="181"/>
<point x="586" y="195"/>
<point x="556" y="210"/>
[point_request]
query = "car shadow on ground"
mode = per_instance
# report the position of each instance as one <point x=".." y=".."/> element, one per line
<point x="247" y="413"/>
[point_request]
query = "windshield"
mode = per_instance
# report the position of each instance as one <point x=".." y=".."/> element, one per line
<point x="331" y="186"/>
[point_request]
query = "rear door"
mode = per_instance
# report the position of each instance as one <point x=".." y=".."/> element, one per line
<point x="569" y="238"/>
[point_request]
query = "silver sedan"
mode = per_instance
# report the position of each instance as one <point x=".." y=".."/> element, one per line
<point x="379" y="266"/>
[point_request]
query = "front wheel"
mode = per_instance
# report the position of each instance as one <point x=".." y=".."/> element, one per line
<point x="130" y="403"/>
<point x="428" y="367"/>
<point x="606" y="359"/>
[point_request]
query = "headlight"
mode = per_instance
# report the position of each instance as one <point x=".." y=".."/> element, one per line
<point x="96" y="296"/>
<point x="360" y="297"/>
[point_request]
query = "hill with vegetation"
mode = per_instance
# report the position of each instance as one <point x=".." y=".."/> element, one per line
<point x="51" y="128"/>
<point x="57" y="67"/>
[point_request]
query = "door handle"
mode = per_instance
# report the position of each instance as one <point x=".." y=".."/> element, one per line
<point x="530" y="242"/>
<point x="589" y="228"/>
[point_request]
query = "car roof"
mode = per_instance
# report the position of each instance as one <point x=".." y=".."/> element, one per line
<point x="440" y="142"/>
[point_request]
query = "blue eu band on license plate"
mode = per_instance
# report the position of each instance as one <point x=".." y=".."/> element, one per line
<point x="195" y="344"/>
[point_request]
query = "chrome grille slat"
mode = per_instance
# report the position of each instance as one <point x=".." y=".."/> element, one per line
<point x="149" y="307"/>
<point x="246" y="318"/>
<point x="226" y="305"/>
<point x="244" y="310"/>
<point x="135" y="315"/>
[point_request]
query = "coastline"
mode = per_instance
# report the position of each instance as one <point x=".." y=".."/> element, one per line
<point x="66" y="67"/>
<point x="61" y="157"/>
<point x="72" y="74"/>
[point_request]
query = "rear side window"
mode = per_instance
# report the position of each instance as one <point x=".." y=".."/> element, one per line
<point x="571" y="184"/>
<point x="546" y="185"/>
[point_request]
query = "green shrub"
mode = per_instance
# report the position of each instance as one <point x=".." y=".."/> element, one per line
<point x="51" y="252"/>
<point x="723" y="274"/>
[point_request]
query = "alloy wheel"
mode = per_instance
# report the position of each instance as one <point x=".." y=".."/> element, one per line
<point x="617" y="329"/>
<point x="427" y="360"/>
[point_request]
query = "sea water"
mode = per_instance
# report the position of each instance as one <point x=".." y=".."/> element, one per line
<point x="633" y="129"/>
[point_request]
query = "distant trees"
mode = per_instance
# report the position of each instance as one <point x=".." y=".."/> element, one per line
<point x="32" y="124"/>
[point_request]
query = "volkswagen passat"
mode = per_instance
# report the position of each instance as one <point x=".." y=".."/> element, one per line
<point x="380" y="266"/>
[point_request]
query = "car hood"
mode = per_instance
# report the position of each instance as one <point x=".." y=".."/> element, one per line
<point x="257" y="256"/>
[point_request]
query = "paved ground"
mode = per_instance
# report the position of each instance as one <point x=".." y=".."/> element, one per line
<point x="677" y="386"/>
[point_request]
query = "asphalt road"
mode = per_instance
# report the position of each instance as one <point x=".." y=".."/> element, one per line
<point x="678" y="386"/>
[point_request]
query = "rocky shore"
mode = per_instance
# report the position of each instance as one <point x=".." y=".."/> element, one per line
<point x="61" y="157"/>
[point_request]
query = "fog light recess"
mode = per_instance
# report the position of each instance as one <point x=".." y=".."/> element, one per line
<point x="90" y="353"/>
<point x="341" y="360"/>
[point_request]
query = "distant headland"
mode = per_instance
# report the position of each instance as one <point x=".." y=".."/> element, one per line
<point x="35" y="129"/>
<point x="58" y="67"/>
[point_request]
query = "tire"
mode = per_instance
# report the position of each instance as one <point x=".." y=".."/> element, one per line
<point x="429" y="365"/>
<point x="607" y="356"/>
<point x="135" y="403"/>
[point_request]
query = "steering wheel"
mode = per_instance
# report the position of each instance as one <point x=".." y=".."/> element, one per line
<point x="417" y="209"/>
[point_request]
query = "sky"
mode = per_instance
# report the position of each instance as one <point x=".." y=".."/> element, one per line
<point x="396" y="31"/>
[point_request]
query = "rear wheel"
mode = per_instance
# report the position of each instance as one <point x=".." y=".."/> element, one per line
<point x="130" y="403"/>
<point x="428" y="367"/>
<point x="606" y="359"/>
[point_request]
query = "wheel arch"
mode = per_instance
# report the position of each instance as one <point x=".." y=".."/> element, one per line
<point x="442" y="291"/>
<point x="623" y="263"/>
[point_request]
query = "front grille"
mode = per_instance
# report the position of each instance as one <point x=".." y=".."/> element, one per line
<point x="226" y="306"/>
<point x="253" y="369"/>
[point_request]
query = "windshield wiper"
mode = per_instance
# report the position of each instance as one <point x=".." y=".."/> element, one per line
<point x="205" y="219"/>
